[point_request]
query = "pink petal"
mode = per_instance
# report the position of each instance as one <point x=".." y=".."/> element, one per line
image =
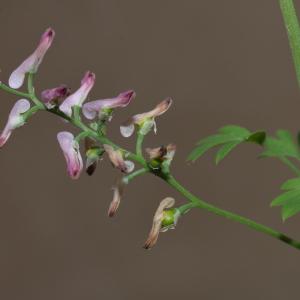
<point x="71" y="152"/>
<point x="32" y="63"/>
<point x="15" y="119"/>
<point x="93" y="108"/>
<point x="78" y="97"/>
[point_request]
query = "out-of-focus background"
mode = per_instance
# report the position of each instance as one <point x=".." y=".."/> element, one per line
<point x="223" y="62"/>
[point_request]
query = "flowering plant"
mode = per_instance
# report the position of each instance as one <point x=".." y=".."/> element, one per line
<point x="72" y="107"/>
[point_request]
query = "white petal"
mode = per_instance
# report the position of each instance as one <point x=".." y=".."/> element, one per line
<point x="127" y="131"/>
<point x="129" y="165"/>
<point x="16" y="79"/>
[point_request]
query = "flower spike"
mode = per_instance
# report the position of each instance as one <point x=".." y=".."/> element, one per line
<point x="145" y="121"/>
<point x="116" y="158"/>
<point x="95" y="108"/>
<point x="78" y="97"/>
<point x="31" y="64"/>
<point x="162" y="221"/>
<point x="70" y="148"/>
<point x="15" y="119"/>
<point x="53" y="97"/>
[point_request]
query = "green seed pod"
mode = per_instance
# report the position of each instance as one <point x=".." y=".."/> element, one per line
<point x="170" y="219"/>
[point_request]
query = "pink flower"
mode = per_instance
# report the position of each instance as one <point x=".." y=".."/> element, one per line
<point x="31" y="64"/>
<point x="78" y="97"/>
<point x="116" y="158"/>
<point x="162" y="221"/>
<point x="94" y="108"/>
<point x="145" y="121"/>
<point x="70" y="149"/>
<point x="53" y="97"/>
<point x="15" y="119"/>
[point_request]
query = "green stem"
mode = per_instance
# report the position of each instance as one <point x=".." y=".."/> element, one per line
<point x="139" y="144"/>
<point x="31" y="91"/>
<point x="13" y="91"/>
<point x="290" y="165"/>
<point x="194" y="201"/>
<point x="293" y="30"/>
<point x="232" y="216"/>
<point x="134" y="174"/>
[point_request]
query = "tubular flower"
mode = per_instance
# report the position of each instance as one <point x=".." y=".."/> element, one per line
<point x="78" y="97"/>
<point x="161" y="156"/>
<point x="15" y="119"/>
<point x="118" y="191"/>
<point x="162" y="221"/>
<point x="53" y="97"/>
<point x="161" y="153"/>
<point x="116" y="158"/>
<point x="145" y="121"/>
<point x="70" y="148"/>
<point x="99" y="107"/>
<point x="31" y="64"/>
<point x="93" y="155"/>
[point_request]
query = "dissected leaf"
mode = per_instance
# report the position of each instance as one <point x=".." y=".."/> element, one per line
<point x="282" y="146"/>
<point x="257" y="137"/>
<point x="224" y="150"/>
<point x="289" y="200"/>
<point x="228" y="138"/>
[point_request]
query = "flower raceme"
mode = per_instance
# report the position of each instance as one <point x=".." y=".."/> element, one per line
<point x="145" y="121"/>
<point x="70" y="148"/>
<point x="59" y="99"/>
<point x="79" y="96"/>
<point x="31" y="64"/>
<point x="15" y="119"/>
<point x="97" y="108"/>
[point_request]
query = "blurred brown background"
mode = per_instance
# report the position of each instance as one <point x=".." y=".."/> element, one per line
<point x="223" y="62"/>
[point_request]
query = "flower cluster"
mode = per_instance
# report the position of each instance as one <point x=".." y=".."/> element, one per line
<point x="98" y="113"/>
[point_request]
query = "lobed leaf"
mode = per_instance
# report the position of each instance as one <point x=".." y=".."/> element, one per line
<point x="289" y="200"/>
<point x="282" y="146"/>
<point x="228" y="138"/>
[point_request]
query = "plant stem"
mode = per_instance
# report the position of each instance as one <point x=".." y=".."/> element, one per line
<point x="293" y="30"/>
<point x="134" y="174"/>
<point x="139" y="144"/>
<point x="194" y="201"/>
<point x="13" y="91"/>
<point x="232" y="216"/>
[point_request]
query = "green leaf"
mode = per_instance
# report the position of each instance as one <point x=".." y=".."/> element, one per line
<point x="224" y="150"/>
<point x="228" y="138"/>
<point x="289" y="200"/>
<point x="291" y="184"/>
<point x="257" y="137"/>
<point x="282" y="146"/>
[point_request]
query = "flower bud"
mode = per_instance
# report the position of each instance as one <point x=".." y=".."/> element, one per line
<point x="162" y="221"/>
<point x="15" y="119"/>
<point x="93" y="155"/>
<point x="78" y="97"/>
<point x="118" y="190"/>
<point x="53" y="97"/>
<point x="103" y="108"/>
<point x="31" y="64"/>
<point x="145" y="121"/>
<point x="117" y="160"/>
<point x="70" y="148"/>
